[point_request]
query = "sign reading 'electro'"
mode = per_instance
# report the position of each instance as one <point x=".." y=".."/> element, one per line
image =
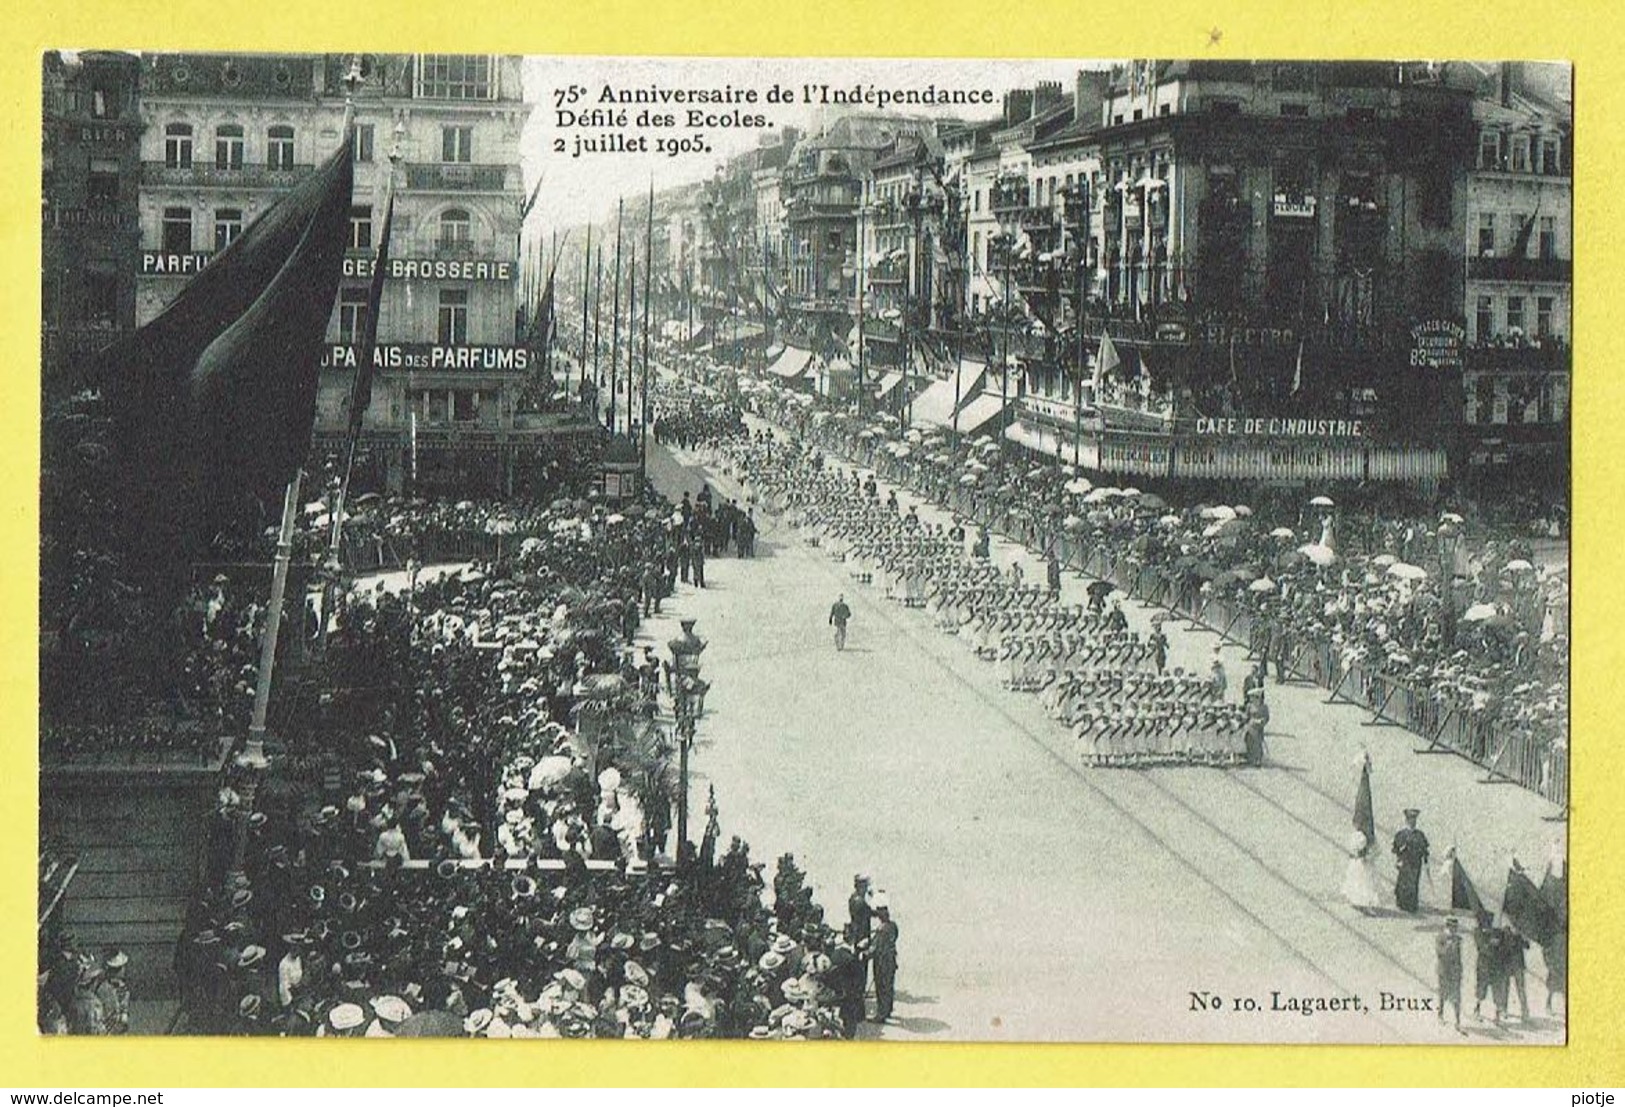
<point x="492" y="359"/>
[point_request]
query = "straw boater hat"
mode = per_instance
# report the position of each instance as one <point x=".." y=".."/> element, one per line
<point x="346" y="1016"/>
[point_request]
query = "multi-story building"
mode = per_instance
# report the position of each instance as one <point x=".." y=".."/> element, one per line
<point x="1276" y="240"/>
<point x="227" y="134"/>
<point x="822" y="189"/>
<point x="1516" y="365"/>
<point x="92" y="177"/>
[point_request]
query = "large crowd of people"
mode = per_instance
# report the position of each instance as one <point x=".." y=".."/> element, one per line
<point x="1108" y="684"/>
<point x="1452" y="614"/>
<point x="469" y="830"/>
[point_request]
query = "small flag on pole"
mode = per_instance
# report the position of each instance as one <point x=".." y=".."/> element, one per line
<point x="1526" y="909"/>
<point x="1364" y="814"/>
<point x="1105" y="361"/>
<point x="1463" y="896"/>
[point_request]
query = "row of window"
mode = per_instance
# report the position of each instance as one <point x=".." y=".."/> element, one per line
<point x="455" y="228"/>
<point x="1520" y="154"/>
<point x="1514" y="313"/>
<point x="230" y="145"/>
<point x="1513" y="236"/>
<point x="451" y="317"/>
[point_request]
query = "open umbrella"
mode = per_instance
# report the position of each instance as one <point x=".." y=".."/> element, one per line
<point x="1262" y="584"/>
<point x="968" y="478"/>
<point x="1282" y="532"/>
<point x="1220" y="513"/>
<point x="1402" y="571"/>
<point x="1451" y="517"/>
<point x="1478" y="613"/>
<point x="1384" y="560"/>
<point x="1518" y="565"/>
<point x="1072" y="522"/>
<point x="1078" y="486"/>
<point x="1169" y="520"/>
<point x="1242" y="510"/>
<point x="1318" y="554"/>
<point x="1322" y="501"/>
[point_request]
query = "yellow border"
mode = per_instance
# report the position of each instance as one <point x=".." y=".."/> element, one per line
<point x="1580" y="30"/>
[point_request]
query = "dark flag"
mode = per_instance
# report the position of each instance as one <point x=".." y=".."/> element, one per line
<point x="1463" y="896"/>
<point x="214" y="401"/>
<point x="361" y="386"/>
<point x="1364" y="818"/>
<point x="1554" y="889"/>
<point x="1527" y="910"/>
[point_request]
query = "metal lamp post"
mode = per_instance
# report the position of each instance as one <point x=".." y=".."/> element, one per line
<point x="685" y="663"/>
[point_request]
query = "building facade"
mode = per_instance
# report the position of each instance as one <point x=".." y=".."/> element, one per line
<point x="1519" y="286"/>
<point x="90" y="189"/>
<point x="226" y="135"/>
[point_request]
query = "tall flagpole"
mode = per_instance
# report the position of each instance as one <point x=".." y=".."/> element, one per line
<point x="252" y="759"/>
<point x="361" y="386"/>
<point x="597" y="312"/>
<point x="586" y="281"/>
<point x="615" y="317"/>
<point x="643" y="413"/>
<point x="631" y="322"/>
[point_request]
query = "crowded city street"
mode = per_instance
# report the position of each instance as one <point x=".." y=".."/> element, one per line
<point x="927" y="578"/>
<point x="1029" y="888"/>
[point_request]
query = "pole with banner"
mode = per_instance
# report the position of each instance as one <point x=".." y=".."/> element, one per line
<point x="643" y="403"/>
<point x="615" y="318"/>
<point x="361" y="385"/>
<point x="586" y="290"/>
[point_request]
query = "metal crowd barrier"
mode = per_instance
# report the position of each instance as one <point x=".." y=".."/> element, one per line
<point x="1521" y="757"/>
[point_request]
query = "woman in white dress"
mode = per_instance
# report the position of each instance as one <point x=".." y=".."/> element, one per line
<point x="1360" y="877"/>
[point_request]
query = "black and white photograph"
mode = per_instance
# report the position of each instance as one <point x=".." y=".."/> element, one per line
<point x="794" y="548"/>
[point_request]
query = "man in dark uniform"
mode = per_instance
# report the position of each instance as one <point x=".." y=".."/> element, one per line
<point x="858" y="923"/>
<point x="1052" y="573"/>
<point x="1411" y="854"/>
<point x="846" y="974"/>
<point x="883" y="952"/>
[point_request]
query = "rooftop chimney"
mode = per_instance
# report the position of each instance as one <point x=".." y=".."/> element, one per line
<point x="1018" y="106"/>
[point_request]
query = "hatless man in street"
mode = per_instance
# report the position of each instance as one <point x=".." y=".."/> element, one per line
<point x="839" y="616"/>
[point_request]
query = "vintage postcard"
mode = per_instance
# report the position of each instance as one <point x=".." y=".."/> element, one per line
<point x="1070" y="550"/>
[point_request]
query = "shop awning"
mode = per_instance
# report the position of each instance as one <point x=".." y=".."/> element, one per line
<point x="970" y="374"/>
<point x="979" y="412"/>
<point x="888" y="384"/>
<point x="934" y="406"/>
<point x="791" y="363"/>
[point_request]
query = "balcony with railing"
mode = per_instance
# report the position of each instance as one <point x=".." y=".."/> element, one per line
<point x="1008" y="198"/>
<point x="1548" y="270"/>
<point x="453" y="247"/>
<point x="209" y="175"/>
<point x="456" y="177"/>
